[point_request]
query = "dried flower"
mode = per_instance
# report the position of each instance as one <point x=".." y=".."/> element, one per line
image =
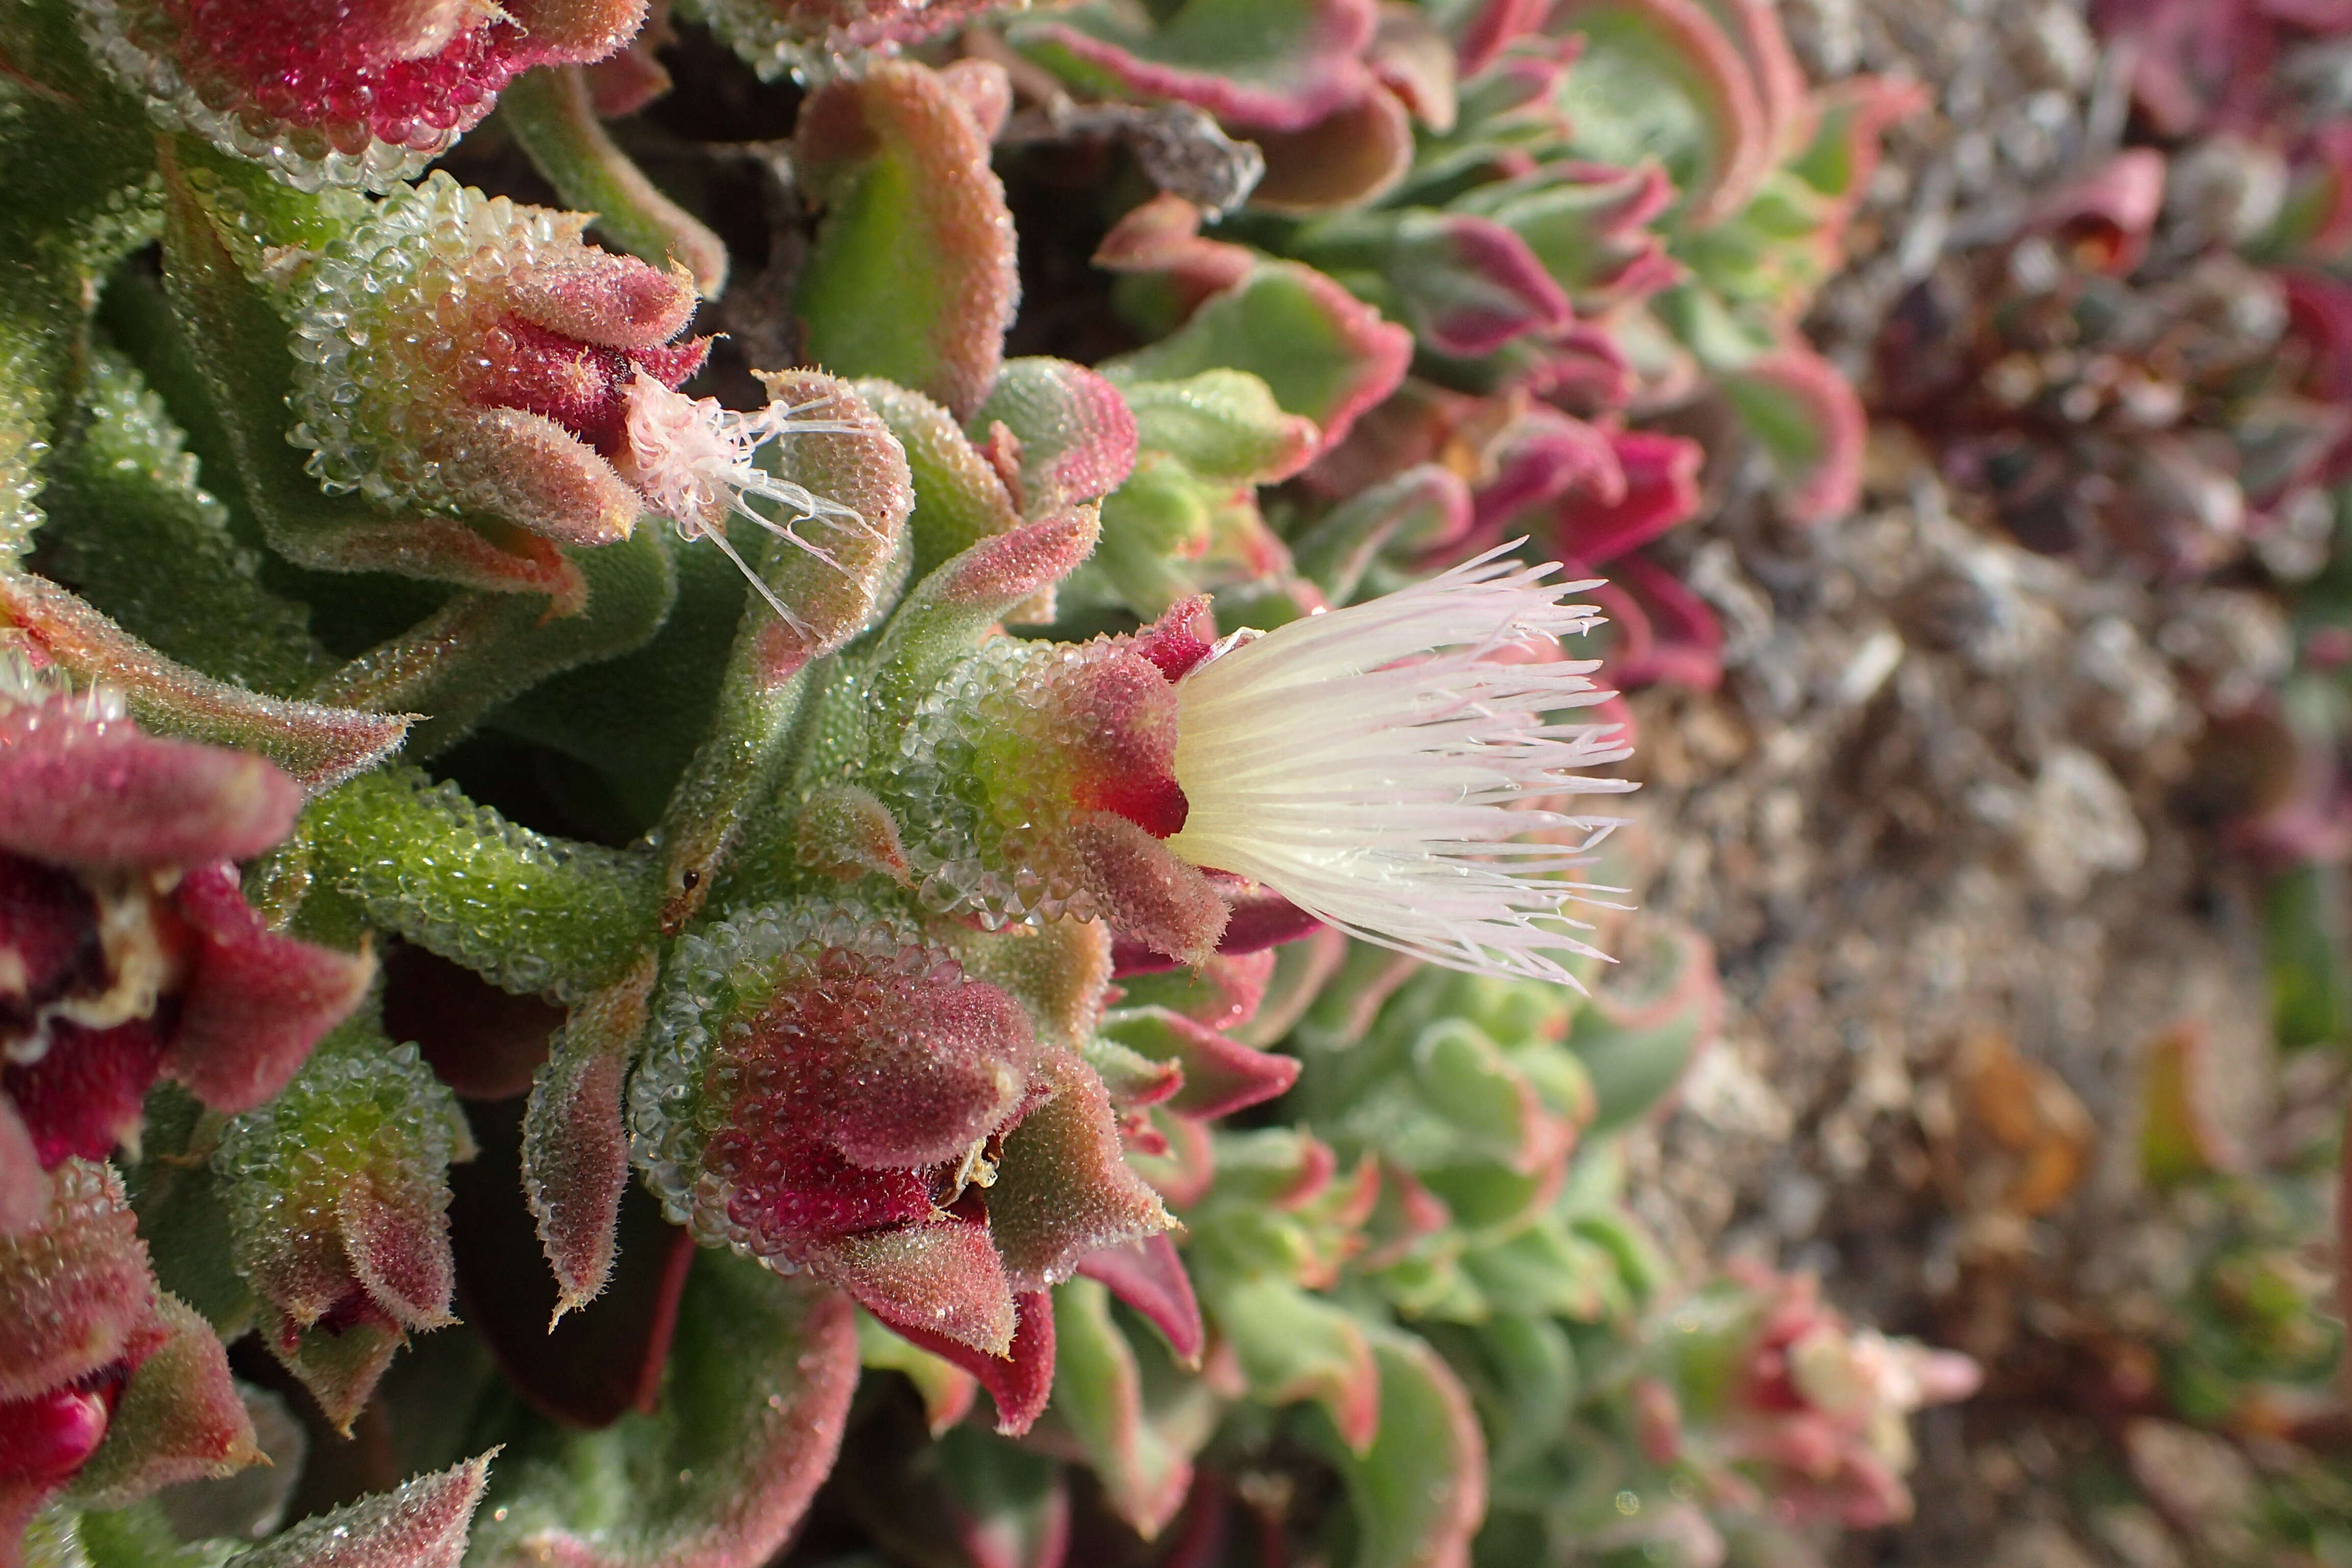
<point x="1371" y="765"/>
<point x="697" y="464"/>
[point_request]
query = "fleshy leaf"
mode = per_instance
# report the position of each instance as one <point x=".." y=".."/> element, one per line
<point x="826" y="578"/>
<point x="1660" y="489"/>
<point x="1419" y="1490"/>
<point x="1277" y="64"/>
<point x="1648" y="1020"/>
<point x="1020" y="1380"/>
<point x="179" y="1418"/>
<point x="940" y="1283"/>
<point x="1806" y="415"/>
<point x="422" y="1525"/>
<point x="1674" y="50"/>
<point x="320" y="745"/>
<point x="1223" y="425"/>
<point x="1467" y="284"/>
<point x="1421" y="510"/>
<point x="1588" y="225"/>
<point x="1221" y="1074"/>
<point x="959" y="498"/>
<point x="551" y="112"/>
<point x="1352" y="155"/>
<point x="1057" y="971"/>
<point x="951" y="611"/>
<point x="1323" y="353"/>
<point x="132" y="531"/>
<point x="948" y="1390"/>
<point x="598" y="1362"/>
<point x="1294" y="1345"/>
<point x="911" y="276"/>
<point x="1221" y="993"/>
<point x="576" y="1152"/>
<point x="752" y="1413"/>
<point x="75" y="1290"/>
<point x="1074" y="437"/>
<point x="1099" y="1394"/>
<point x="527" y="912"/>
<point x="336" y="1193"/>
<point x="1149" y="1276"/>
<point x="257" y="1002"/>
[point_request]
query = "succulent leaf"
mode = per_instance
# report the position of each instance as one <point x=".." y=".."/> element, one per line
<point x="912" y="275"/>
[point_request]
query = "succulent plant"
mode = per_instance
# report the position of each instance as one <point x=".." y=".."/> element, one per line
<point x="545" y="915"/>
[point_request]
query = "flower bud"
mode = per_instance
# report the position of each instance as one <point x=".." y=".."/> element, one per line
<point x="341" y="92"/>
<point x="825" y="1090"/>
<point x="336" y="1193"/>
<point x="459" y="351"/>
<point x="1045" y="774"/>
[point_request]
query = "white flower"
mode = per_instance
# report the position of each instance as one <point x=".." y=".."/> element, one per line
<point x="1375" y="765"/>
<point x="696" y="464"/>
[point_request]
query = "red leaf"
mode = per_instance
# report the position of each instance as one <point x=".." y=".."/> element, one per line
<point x="1149" y="1276"/>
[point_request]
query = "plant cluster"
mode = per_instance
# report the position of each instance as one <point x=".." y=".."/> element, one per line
<point x="1060" y="881"/>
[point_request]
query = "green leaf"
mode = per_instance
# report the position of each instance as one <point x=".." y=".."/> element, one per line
<point x="337" y="1193"/>
<point x="1292" y="1344"/>
<point x="1418" y="1492"/>
<point x="2310" y="944"/>
<point x="551" y="112"/>
<point x="960" y="498"/>
<point x="1099" y="1394"/>
<point x="1652" y="1014"/>
<point x="132" y="530"/>
<point x="911" y="276"/>
<point x="752" y="1406"/>
<point x="1548" y="1270"/>
<point x="479" y="649"/>
<point x="420" y="1525"/>
<point x="1322" y="352"/>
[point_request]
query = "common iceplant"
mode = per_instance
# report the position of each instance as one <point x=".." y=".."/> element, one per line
<point x="548" y="920"/>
